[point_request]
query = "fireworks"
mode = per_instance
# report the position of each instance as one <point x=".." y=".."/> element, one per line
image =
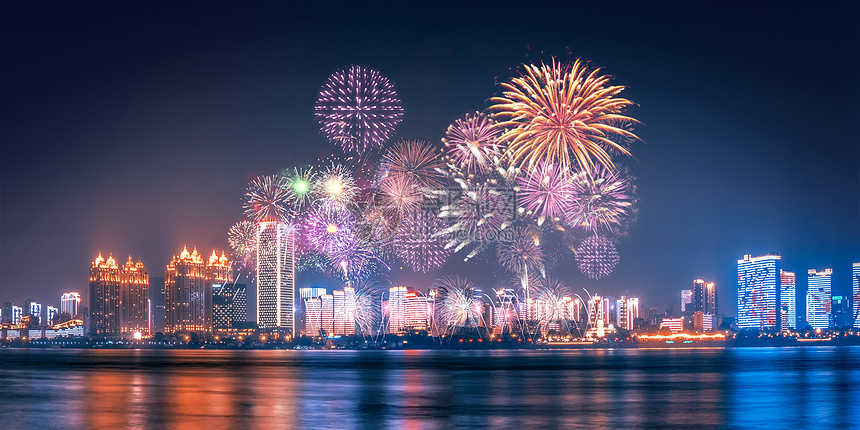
<point x="242" y="238"/>
<point x="400" y="194"/>
<point x="519" y="251"/>
<point x="480" y="213"/>
<point x="564" y="115"/>
<point x="472" y="143"/>
<point x="596" y="257"/>
<point x="269" y="198"/>
<point x="416" y="161"/>
<point x="460" y="304"/>
<point x="301" y="182"/>
<point x="551" y="293"/>
<point x="362" y="304"/>
<point x="546" y="191"/>
<point x="358" y="109"/>
<point x="336" y="186"/>
<point x="603" y="201"/>
<point x="357" y="258"/>
<point x="420" y="242"/>
<point x="329" y="228"/>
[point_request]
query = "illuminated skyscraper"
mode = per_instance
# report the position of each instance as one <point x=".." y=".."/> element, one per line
<point x="17" y="314"/>
<point x="417" y="311"/>
<point x="327" y="313"/>
<point x="628" y="310"/>
<point x="344" y="313"/>
<point x="276" y="276"/>
<point x="818" y="298"/>
<point x="51" y="315"/>
<point x="217" y="273"/>
<point x="134" y="280"/>
<point x="70" y="303"/>
<point x="788" y="299"/>
<point x="686" y="299"/>
<point x="313" y="316"/>
<point x="704" y="297"/>
<point x="186" y="295"/>
<point x="6" y="313"/>
<point x="855" y="281"/>
<point x="229" y="305"/>
<point x="105" y="297"/>
<point x="396" y="309"/>
<point x="33" y="309"/>
<point x="758" y="292"/>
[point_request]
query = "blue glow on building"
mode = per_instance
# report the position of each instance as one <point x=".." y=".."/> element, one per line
<point x="758" y="292"/>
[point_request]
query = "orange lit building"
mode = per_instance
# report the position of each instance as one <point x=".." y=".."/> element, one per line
<point x="119" y="298"/>
<point x="188" y="290"/>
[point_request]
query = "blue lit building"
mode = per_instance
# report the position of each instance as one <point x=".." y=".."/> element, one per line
<point x="818" y="298"/>
<point x="788" y="299"/>
<point x="758" y="292"/>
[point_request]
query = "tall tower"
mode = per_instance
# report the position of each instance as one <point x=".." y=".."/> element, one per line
<point x="758" y="292"/>
<point x="788" y="299"/>
<point x="105" y="297"/>
<point x="134" y="280"/>
<point x="818" y="298"/>
<point x="186" y="295"/>
<point x="628" y="310"/>
<point x="855" y="284"/>
<point x="217" y="274"/>
<point x="70" y="303"/>
<point x="276" y="276"/>
<point x="704" y="297"/>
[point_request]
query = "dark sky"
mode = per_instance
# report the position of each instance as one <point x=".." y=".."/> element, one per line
<point x="134" y="128"/>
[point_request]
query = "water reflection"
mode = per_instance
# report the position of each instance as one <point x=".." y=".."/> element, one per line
<point x="813" y="387"/>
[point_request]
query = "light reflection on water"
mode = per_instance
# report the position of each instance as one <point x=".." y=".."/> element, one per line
<point x="809" y="387"/>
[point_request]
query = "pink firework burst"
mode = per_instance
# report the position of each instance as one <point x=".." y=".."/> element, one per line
<point x="336" y="185"/>
<point x="415" y="161"/>
<point x="269" y="198"/>
<point x="358" y="109"/>
<point x="472" y="143"/>
<point x="400" y="193"/>
<point x="421" y="241"/>
<point x="596" y="257"/>
<point x="603" y="201"/>
<point x="519" y="251"/>
<point x="329" y="228"/>
<point x="546" y="192"/>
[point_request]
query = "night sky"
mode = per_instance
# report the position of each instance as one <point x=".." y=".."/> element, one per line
<point x="134" y="128"/>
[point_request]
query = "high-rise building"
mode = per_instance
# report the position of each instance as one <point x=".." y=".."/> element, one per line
<point x="788" y="299"/>
<point x="855" y="290"/>
<point x="417" y="315"/>
<point x="70" y="303"/>
<point x="327" y="313"/>
<point x="185" y="294"/>
<point x="229" y="302"/>
<point x="818" y="298"/>
<point x="313" y="316"/>
<point x="673" y="325"/>
<point x="217" y="272"/>
<point x="105" y="297"/>
<point x="134" y="281"/>
<point x="839" y="311"/>
<point x="344" y="311"/>
<point x="276" y="276"/>
<point x="33" y="310"/>
<point x="17" y="314"/>
<point x="51" y="315"/>
<point x="686" y="299"/>
<point x="6" y="313"/>
<point x="396" y="309"/>
<point x="628" y="310"/>
<point x="758" y="292"/>
<point x="704" y="297"/>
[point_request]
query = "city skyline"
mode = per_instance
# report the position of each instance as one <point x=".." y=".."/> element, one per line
<point x="746" y="221"/>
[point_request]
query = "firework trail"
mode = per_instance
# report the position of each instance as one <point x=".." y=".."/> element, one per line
<point x="336" y="186"/>
<point x="358" y="109"/>
<point x="603" y="201"/>
<point x="563" y="114"/>
<point x="551" y="293"/>
<point x="242" y="238"/>
<point x="519" y="251"/>
<point x="459" y="303"/>
<point x="472" y="143"/>
<point x="421" y="245"/>
<point x="546" y="192"/>
<point x="596" y="257"/>
<point x="269" y="198"/>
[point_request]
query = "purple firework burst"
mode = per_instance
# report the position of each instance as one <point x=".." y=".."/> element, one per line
<point x="596" y="257"/>
<point x="472" y="143"/>
<point x="603" y="200"/>
<point x="519" y="251"/>
<point x="329" y="228"/>
<point x="358" y="109"/>
<point x="421" y="241"/>
<point x="546" y="192"/>
<point x="414" y="161"/>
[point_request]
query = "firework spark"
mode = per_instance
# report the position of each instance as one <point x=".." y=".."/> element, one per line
<point x="362" y="303"/>
<point x="596" y="257"/>
<point x="400" y="194"/>
<point x="603" y="201"/>
<point x="416" y="161"/>
<point x="242" y="238"/>
<point x="269" y="198"/>
<point x="358" y="109"/>
<point x="472" y="143"/>
<point x="329" y="228"/>
<point x="301" y="182"/>
<point x="480" y="213"/>
<point x="421" y="244"/>
<point x="563" y="114"/>
<point x="336" y="185"/>
<point x="546" y="193"/>
<point x="460" y="304"/>
<point x="550" y="294"/>
<point x="519" y="251"/>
